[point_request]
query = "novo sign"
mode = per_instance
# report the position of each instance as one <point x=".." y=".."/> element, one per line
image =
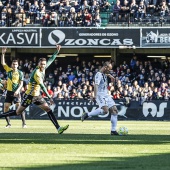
<point x="19" y="37"/>
<point x="90" y="37"/>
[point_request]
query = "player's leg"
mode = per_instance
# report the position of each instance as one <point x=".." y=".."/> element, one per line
<point x="6" y="108"/>
<point x="40" y="102"/>
<point x="22" y="116"/>
<point x="26" y="101"/>
<point x="103" y="109"/>
<point x="17" y="101"/>
<point x="12" y="113"/>
<point x="113" y="111"/>
<point x="8" y="102"/>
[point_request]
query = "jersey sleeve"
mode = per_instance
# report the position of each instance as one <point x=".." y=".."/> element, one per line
<point x="97" y="79"/>
<point x="21" y="76"/>
<point x="7" y="68"/>
<point x="51" y="59"/>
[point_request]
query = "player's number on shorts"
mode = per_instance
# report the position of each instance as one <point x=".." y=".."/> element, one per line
<point x="105" y="100"/>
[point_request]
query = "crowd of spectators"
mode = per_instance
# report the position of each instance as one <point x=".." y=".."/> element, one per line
<point x="66" y="13"/>
<point x="137" y="80"/>
<point x="51" y="12"/>
<point x="137" y="10"/>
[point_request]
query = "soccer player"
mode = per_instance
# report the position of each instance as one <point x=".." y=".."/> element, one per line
<point x="104" y="100"/>
<point x="14" y="85"/>
<point x="32" y="94"/>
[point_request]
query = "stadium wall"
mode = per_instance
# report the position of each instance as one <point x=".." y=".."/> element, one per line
<point x="73" y="109"/>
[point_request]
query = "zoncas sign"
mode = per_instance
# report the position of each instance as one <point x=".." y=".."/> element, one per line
<point x="90" y="37"/>
<point x="96" y="42"/>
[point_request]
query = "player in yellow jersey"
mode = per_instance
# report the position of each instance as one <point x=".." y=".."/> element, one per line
<point x="32" y="95"/>
<point x="14" y="85"/>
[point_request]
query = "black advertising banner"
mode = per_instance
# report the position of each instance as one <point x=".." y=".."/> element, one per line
<point x="155" y="37"/>
<point x="20" y="37"/>
<point x="73" y="109"/>
<point x="90" y="37"/>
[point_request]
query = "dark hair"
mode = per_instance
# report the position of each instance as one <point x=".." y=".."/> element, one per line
<point x="106" y="63"/>
<point x="14" y="61"/>
<point x="42" y="59"/>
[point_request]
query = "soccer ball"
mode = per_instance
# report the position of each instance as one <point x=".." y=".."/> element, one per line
<point x="123" y="131"/>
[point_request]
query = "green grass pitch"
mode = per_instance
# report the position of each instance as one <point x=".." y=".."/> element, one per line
<point x="85" y="146"/>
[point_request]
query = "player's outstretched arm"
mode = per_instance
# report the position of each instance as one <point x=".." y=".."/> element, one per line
<point x="45" y="90"/>
<point x="111" y="77"/>
<point x="19" y="88"/>
<point x="53" y="57"/>
<point x="3" y="56"/>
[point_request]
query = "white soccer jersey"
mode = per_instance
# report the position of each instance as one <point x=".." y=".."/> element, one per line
<point x="101" y="81"/>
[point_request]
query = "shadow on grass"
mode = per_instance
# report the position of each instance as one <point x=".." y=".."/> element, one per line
<point x="151" y="162"/>
<point x="46" y="138"/>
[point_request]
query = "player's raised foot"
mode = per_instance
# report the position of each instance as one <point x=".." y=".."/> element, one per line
<point x="62" y="129"/>
<point x="84" y="116"/>
<point x="114" y="133"/>
<point x="24" y="126"/>
<point x="7" y="126"/>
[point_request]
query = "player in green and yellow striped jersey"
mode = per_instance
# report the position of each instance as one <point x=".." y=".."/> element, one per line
<point x="32" y="95"/>
<point x="14" y="85"/>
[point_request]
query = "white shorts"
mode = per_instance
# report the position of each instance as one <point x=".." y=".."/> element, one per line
<point x="105" y="100"/>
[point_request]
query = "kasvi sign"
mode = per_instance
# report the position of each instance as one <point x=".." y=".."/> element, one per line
<point x="20" y="37"/>
<point x="85" y="37"/>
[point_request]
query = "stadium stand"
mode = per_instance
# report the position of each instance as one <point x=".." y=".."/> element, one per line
<point x="87" y="13"/>
<point x="138" y="80"/>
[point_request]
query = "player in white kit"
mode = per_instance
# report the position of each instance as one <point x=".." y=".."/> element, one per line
<point x="104" y="100"/>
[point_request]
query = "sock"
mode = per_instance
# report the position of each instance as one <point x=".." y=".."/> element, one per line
<point x="8" y="120"/>
<point x="113" y="122"/>
<point x="95" y="112"/>
<point x="23" y="117"/>
<point x="53" y="119"/>
<point x="9" y="113"/>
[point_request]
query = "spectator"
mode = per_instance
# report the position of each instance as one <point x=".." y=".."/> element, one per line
<point x="34" y="11"/>
<point x="20" y="18"/>
<point x="17" y="8"/>
<point x="133" y="9"/>
<point x="97" y="21"/>
<point x="71" y="77"/>
<point x="56" y="91"/>
<point x="50" y="79"/>
<point x="125" y="9"/>
<point x="85" y="6"/>
<point x="116" y="10"/>
<point x="142" y="77"/>
<point x="87" y="18"/>
<point x="76" y="6"/>
<point x="141" y="11"/>
<point x="70" y="21"/>
<point x="79" y="20"/>
<point x="50" y="92"/>
<point x="26" y="78"/>
<point x="164" y="10"/>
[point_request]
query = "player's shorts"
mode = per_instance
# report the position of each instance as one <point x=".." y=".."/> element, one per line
<point x="105" y="100"/>
<point x="28" y="99"/>
<point x="10" y="98"/>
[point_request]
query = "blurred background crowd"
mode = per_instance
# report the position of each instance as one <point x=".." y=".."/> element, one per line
<point x="137" y="80"/>
<point x="81" y="13"/>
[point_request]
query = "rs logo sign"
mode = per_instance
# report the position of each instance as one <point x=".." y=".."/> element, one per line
<point x="151" y="108"/>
